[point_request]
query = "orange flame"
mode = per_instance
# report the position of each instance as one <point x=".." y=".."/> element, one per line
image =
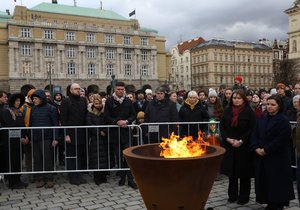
<point x="174" y="147"/>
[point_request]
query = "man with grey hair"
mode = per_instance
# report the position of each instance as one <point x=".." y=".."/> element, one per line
<point x="73" y="113"/>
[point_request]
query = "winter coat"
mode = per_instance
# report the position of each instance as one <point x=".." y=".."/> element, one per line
<point x="43" y="115"/>
<point x="73" y="113"/>
<point x="273" y="173"/>
<point x="9" y="121"/>
<point x="143" y="107"/>
<point x="98" y="145"/>
<point x="237" y="162"/>
<point x="197" y="114"/>
<point x="160" y="112"/>
<point x="115" y="111"/>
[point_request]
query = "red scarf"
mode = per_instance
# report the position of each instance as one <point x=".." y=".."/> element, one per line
<point x="236" y="110"/>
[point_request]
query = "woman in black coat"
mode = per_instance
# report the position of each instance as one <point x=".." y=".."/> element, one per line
<point x="271" y="143"/>
<point x="98" y="145"/>
<point x="236" y="126"/>
<point x="12" y="117"/>
<point x="192" y="111"/>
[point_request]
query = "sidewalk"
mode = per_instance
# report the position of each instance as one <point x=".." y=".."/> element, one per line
<point x="105" y="196"/>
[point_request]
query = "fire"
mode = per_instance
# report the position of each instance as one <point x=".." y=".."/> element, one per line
<point x="174" y="147"/>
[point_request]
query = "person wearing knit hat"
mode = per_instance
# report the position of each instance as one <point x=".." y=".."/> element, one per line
<point x="212" y="93"/>
<point x="238" y="80"/>
<point x="149" y="95"/>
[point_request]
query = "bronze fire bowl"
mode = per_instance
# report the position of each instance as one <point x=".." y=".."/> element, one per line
<point x="173" y="183"/>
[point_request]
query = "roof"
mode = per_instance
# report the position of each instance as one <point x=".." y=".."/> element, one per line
<point x="188" y="45"/>
<point x="149" y="30"/>
<point x="226" y="43"/>
<point x="77" y="11"/>
<point x="4" y="17"/>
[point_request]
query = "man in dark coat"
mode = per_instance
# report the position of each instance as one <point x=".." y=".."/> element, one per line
<point x="161" y="109"/>
<point x="73" y="113"/>
<point x="43" y="114"/>
<point x="119" y="111"/>
<point x="3" y="105"/>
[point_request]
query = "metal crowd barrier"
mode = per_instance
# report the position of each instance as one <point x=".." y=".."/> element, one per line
<point x="76" y="155"/>
<point x="91" y="152"/>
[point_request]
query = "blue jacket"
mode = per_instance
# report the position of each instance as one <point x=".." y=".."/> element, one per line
<point x="43" y="115"/>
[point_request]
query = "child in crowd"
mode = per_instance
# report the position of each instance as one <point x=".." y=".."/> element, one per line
<point x="212" y="136"/>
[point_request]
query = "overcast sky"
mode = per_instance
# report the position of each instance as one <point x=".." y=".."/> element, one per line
<point x="177" y="20"/>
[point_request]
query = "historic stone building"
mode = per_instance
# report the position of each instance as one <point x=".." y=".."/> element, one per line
<point x="216" y="62"/>
<point x="294" y="30"/>
<point x="180" y="74"/>
<point x="59" y="44"/>
<point x="4" y="18"/>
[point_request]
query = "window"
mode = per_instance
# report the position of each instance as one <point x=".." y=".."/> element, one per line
<point x="26" y="67"/>
<point x="127" y="70"/>
<point x="144" y="41"/>
<point x="25" y="32"/>
<point x="70" y="36"/>
<point x="109" y="38"/>
<point x="144" y="70"/>
<point x="91" y="53"/>
<point x="110" y="54"/>
<point x="49" y="51"/>
<point x="91" y="69"/>
<point x="48" y="34"/>
<point x="109" y="69"/>
<point x="50" y="67"/>
<point x="26" y="49"/>
<point x="71" y="68"/>
<point x="127" y="40"/>
<point x="127" y="54"/>
<point x="71" y="52"/>
<point x="90" y="37"/>
<point x="145" y="55"/>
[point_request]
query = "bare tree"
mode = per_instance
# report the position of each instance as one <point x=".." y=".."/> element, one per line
<point x="287" y="71"/>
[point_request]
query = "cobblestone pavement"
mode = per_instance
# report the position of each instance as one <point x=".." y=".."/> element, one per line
<point x="105" y="196"/>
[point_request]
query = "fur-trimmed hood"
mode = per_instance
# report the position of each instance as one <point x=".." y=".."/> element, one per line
<point x="94" y="111"/>
<point x="14" y="97"/>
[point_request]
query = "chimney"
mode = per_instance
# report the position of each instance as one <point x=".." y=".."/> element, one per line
<point x="54" y="1"/>
<point x="7" y="11"/>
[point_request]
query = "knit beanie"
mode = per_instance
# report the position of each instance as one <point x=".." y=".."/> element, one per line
<point x="239" y="78"/>
<point x="212" y="93"/>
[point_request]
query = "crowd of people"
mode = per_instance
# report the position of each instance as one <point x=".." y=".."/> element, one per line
<point x="254" y="129"/>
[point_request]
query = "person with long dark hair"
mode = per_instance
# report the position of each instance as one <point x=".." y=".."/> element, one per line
<point x="236" y="126"/>
<point x="271" y="143"/>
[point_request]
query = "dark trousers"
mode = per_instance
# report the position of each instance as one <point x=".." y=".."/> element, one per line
<point x="121" y="161"/>
<point x="233" y="189"/>
<point x="76" y="159"/>
<point x="43" y="159"/>
<point x="13" y="163"/>
<point x="298" y="177"/>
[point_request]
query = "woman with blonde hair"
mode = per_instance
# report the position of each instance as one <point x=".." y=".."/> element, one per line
<point x="192" y="111"/>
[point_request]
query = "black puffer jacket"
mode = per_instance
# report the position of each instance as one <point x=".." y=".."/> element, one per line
<point x="43" y="115"/>
<point x="98" y="145"/>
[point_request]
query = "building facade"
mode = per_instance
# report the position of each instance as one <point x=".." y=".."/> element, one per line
<point x="59" y="44"/>
<point x="217" y="62"/>
<point x="294" y="32"/>
<point x="180" y="71"/>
